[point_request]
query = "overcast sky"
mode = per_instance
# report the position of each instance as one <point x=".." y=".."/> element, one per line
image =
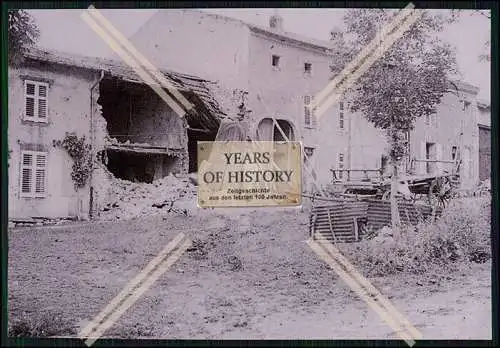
<point x="64" y="30"/>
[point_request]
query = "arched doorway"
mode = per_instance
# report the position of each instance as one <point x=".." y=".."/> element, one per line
<point x="267" y="130"/>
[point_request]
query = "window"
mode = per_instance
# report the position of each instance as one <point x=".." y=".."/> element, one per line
<point x="276" y="61"/>
<point x="33" y="173"/>
<point x="453" y="153"/>
<point x="430" y="156"/>
<point x="466" y="105"/>
<point x="307" y="68"/>
<point x="309" y="114"/>
<point x="35" y="101"/>
<point x="341" y="115"/>
<point x="341" y="165"/>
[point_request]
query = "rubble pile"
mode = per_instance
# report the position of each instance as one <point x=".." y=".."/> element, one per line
<point x="128" y="199"/>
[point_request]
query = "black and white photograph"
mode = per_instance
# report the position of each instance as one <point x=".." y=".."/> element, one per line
<point x="386" y="235"/>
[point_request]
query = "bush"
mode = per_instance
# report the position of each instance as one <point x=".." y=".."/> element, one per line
<point x="461" y="234"/>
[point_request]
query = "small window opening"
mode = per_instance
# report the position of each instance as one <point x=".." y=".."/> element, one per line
<point x="307" y="68"/>
<point x="276" y="61"/>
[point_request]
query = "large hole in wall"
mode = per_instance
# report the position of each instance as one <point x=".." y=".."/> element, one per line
<point x="137" y="117"/>
<point x="136" y="114"/>
<point x="139" y="167"/>
<point x="193" y="138"/>
<point x="196" y="132"/>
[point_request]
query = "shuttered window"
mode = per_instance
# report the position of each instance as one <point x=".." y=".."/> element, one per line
<point x="341" y="165"/>
<point x="33" y="174"/>
<point x="309" y="113"/>
<point x="36" y="101"/>
<point x="341" y="115"/>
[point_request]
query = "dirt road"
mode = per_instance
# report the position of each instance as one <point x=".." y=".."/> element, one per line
<point x="252" y="277"/>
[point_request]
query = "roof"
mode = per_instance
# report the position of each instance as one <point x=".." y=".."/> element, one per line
<point x="463" y="86"/>
<point x="483" y="104"/>
<point x="326" y="46"/>
<point x="208" y="110"/>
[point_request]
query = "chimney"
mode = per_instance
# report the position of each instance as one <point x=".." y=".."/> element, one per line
<point x="336" y="34"/>
<point x="276" y="23"/>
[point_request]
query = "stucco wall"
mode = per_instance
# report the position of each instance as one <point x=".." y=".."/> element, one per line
<point x="279" y="91"/>
<point x="368" y="144"/>
<point x="484" y="116"/>
<point x="68" y="111"/>
<point x="139" y="115"/>
<point x="197" y="43"/>
<point x="445" y="129"/>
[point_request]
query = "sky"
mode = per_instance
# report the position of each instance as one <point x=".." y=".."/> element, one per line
<point x="64" y="30"/>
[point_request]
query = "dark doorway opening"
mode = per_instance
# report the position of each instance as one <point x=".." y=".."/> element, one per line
<point x="268" y="131"/>
<point x="141" y="167"/>
<point x="193" y="137"/>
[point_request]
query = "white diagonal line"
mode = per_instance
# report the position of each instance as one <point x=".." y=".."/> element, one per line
<point x="138" y="293"/>
<point x="131" y="285"/>
<point x="370" y="287"/>
<point x="380" y="36"/>
<point x="384" y="313"/>
<point x="369" y="61"/>
<point x="137" y="68"/>
<point x="376" y="49"/>
<point x="136" y="54"/>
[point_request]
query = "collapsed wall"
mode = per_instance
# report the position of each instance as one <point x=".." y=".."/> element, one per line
<point x="144" y="154"/>
<point x="139" y="146"/>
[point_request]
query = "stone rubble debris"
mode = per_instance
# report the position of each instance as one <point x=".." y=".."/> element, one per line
<point x="128" y="199"/>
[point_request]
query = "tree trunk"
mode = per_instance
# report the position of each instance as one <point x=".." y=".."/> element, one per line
<point x="395" y="219"/>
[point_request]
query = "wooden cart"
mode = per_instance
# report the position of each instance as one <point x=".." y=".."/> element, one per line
<point x="434" y="189"/>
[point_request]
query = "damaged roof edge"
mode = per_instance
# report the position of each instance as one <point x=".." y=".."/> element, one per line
<point x="210" y="113"/>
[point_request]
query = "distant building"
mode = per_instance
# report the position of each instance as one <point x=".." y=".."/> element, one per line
<point x="484" y="124"/>
<point x="282" y="72"/>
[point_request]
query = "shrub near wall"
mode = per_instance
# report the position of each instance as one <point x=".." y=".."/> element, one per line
<point x="461" y="235"/>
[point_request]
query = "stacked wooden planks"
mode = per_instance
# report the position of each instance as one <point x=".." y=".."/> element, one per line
<point x="338" y="220"/>
<point x="379" y="213"/>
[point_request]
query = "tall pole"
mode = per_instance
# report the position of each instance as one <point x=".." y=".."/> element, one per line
<point x="349" y="142"/>
<point x="395" y="221"/>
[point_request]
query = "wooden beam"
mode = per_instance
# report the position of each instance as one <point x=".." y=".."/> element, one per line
<point x="199" y="130"/>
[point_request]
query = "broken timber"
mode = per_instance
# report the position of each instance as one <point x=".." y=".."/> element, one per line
<point x="139" y="148"/>
<point x="339" y="220"/>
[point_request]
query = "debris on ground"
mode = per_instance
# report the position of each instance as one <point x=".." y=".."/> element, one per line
<point x="128" y="199"/>
<point x="39" y="221"/>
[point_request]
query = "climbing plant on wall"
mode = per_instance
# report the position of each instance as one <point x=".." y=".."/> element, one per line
<point x="243" y="111"/>
<point x="80" y="152"/>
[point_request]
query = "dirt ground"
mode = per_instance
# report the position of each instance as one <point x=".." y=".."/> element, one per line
<point x="279" y="289"/>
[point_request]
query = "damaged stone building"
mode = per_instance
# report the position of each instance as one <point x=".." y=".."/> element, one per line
<point x="130" y="132"/>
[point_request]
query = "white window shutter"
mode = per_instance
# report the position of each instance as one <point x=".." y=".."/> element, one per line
<point x="33" y="174"/>
<point x="307" y="110"/>
<point x="36" y="101"/>
<point x="42" y="108"/>
<point x="26" y="179"/>
<point x="30" y="107"/>
<point x="313" y="114"/>
<point x="30" y="88"/>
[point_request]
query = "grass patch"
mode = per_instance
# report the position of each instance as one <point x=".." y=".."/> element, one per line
<point x="461" y="235"/>
<point x="46" y="325"/>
